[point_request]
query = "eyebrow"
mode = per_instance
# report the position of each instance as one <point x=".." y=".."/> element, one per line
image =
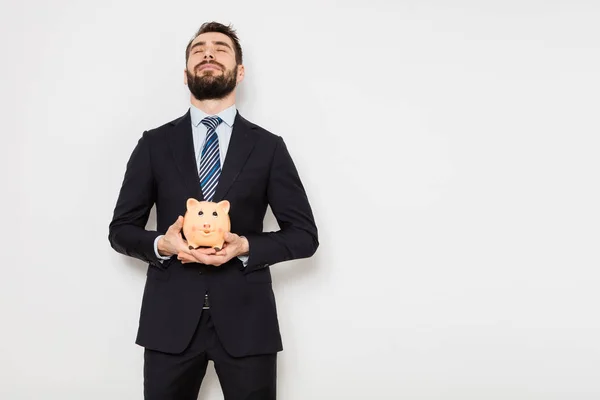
<point x="217" y="43"/>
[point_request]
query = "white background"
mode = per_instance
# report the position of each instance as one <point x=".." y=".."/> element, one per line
<point x="454" y="183"/>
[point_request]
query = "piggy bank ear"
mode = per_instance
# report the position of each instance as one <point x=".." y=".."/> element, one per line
<point x="191" y="202"/>
<point x="224" y="205"/>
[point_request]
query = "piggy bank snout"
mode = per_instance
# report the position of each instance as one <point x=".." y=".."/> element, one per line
<point x="202" y="225"/>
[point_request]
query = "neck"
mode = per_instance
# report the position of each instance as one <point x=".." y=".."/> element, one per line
<point x="214" y="106"/>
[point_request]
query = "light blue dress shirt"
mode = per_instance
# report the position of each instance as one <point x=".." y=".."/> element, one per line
<point x="199" y="135"/>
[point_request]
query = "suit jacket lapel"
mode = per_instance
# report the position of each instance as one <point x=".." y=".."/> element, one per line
<point x="182" y="147"/>
<point x="241" y="144"/>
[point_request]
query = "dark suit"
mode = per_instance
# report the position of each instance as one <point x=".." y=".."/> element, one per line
<point x="258" y="171"/>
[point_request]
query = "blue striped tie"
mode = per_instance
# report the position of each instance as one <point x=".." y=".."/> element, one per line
<point x="210" y="164"/>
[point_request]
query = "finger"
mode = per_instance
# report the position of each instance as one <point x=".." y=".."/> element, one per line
<point x="184" y="257"/>
<point x="187" y="261"/>
<point x="205" y="250"/>
<point x="198" y="256"/>
<point x="185" y="254"/>
<point x="177" y="225"/>
<point x="207" y="259"/>
<point x="223" y="252"/>
<point x="229" y="237"/>
<point x="183" y="247"/>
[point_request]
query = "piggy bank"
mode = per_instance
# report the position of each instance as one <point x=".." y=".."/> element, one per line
<point x="205" y="223"/>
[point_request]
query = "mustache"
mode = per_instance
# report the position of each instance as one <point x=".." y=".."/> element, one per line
<point x="209" y="62"/>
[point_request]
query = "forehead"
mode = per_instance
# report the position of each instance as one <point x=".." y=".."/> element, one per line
<point x="209" y="37"/>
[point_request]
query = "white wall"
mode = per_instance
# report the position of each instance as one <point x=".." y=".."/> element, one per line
<point x="456" y="191"/>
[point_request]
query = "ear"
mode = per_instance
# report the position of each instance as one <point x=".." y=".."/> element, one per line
<point x="185" y="77"/>
<point x="191" y="202"/>
<point x="241" y="74"/>
<point x="224" y="205"/>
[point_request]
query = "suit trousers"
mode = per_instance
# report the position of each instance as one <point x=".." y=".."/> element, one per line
<point x="179" y="376"/>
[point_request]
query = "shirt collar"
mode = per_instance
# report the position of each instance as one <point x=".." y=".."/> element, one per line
<point x="227" y="115"/>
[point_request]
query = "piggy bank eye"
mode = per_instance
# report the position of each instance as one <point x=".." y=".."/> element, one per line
<point x="215" y="214"/>
<point x="201" y="213"/>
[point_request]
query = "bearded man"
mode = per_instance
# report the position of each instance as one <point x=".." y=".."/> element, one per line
<point x="202" y="304"/>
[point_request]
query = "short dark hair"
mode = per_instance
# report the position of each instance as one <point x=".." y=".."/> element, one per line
<point x="220" y="28"/>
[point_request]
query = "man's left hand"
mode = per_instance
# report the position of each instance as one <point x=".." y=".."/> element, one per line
<point x="234" y="246"/>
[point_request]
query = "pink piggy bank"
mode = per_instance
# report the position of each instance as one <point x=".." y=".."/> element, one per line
<point x="205" y="223"/>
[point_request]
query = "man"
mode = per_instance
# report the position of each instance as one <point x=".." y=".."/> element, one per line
<point x="201" y="304"/>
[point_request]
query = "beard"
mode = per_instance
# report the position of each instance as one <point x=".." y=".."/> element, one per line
<point x="210" y="87"/>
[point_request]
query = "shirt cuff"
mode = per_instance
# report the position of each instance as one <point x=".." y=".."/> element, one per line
<point x="160" y="258"/>
<point x="244" y="260"/>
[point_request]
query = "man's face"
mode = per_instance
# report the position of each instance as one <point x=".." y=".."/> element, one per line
<point x="211" y="70"/>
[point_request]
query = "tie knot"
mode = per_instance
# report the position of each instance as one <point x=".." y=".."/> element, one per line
<point x="211" y="122"/>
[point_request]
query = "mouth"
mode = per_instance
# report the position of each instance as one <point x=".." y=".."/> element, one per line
<point x="207" y="232"/>
<point x="209" y="67"/>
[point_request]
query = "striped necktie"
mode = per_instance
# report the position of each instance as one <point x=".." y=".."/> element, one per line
<point x="210" y="164"/>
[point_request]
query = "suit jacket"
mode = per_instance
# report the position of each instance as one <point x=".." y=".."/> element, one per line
<point x="258" y="171"/>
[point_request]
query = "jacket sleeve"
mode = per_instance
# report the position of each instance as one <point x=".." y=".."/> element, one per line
<point x="127" y="233"/>
<point x="297" y="237"/>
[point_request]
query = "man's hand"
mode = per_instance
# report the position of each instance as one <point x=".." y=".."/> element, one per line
<point x="172" y="242"/>
<point x="234" y="246"/>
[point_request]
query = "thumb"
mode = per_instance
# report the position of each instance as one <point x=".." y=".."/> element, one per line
<point x="228" y="236"/>
<point x="179" y="223"/>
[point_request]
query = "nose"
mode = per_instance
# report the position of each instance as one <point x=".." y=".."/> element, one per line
<point x="208" y="54"/>
<point x="206" y="226"/>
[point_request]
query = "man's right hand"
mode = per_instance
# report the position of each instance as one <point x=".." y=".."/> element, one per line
<point x="172" y="242"/>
